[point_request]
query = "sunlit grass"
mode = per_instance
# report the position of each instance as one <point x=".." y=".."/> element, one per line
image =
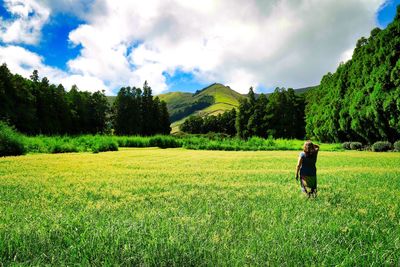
<point x="151" y="206"/>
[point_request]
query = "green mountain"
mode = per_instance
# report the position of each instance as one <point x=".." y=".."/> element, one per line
<point x="211" y="100"/>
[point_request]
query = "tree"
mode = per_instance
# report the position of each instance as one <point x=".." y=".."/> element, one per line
<point x="164" y="119"/>
<point x="193" y="124"/>
<point x="360" y="101"/>
<point x="136" y="112"/>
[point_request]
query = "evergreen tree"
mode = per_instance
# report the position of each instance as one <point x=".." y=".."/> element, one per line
<point x="136" y="112"/>
<point x="164" y="119"/>
<point x="360" y="101"/>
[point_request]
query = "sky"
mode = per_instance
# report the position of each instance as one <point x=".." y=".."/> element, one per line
<point x="185" y="45"/>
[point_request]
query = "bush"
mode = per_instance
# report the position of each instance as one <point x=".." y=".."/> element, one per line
<point x="132" y="141"/>
<point x="59" y="147"/>
<point x="346" y="145"/>
<point x="162" y="141"/>
<point x="11" y="142"/>
<point x="103" y="145"/>
<point x="396" y="146"/>
<point x="356" y="146"/>
<point x="35" y="145"/>
<point x="381" y="146"/>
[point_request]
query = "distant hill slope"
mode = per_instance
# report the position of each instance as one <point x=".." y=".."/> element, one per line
<point x="211" y="100"/>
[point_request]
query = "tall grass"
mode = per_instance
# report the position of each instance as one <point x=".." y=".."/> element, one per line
<point x="252" y="144"/>
<point x="100" y="143"/>
<point x="65" y="144"/>
<point x="11" y="143"/>
<point x="178" y="207"/>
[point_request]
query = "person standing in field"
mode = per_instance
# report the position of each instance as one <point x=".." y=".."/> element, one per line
<point x="306" y="167"/>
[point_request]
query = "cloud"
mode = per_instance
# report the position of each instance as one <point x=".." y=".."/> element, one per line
<point x="22" y="61"/>
<point x="28" y="18"/>
<point x="290" y="43"/>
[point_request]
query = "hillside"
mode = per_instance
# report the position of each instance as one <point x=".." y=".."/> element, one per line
<point x="211" y="100"/>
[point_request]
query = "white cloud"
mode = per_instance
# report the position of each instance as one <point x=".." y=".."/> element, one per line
<point x="21" y="61"/>
<point x="28" y="18"/>
<point x="290" y="43"/>
<point x="86" y="83"/>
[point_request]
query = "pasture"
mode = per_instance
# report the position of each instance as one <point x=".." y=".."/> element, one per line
<point x="155" y="207"/>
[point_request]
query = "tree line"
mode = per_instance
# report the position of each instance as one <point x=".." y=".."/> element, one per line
<point x="34" y="106"/>
<point x="221" y="123"/>
<point x="361" y="100"/>
<point x="280" y="115"/>
<point x="138" y="113"/>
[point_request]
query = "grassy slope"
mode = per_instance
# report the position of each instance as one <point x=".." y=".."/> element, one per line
<point x="180" y="207"/>
<point x="174" y="99"/>
<point x="224" y="97"/>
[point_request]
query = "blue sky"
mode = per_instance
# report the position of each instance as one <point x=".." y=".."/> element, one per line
<point x="104" y="47"/>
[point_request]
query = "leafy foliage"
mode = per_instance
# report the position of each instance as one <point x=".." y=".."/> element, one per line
<point x="104" y="145"/>
<point x="396" y="146"/>
<point x="37" y="107"/>
<point x="355" y="146"/>
<point x="11" y="143"/>
<point x="280" y="115"/>
<point x="346" y="145"/>
<point x="138" y="113"/>
<point x="222" y="123"/>
<point x="360" y="101"/>
<point x="381" y="146"/>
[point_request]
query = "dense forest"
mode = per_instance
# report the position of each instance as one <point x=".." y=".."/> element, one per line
<point x="34" y="106"/>
<point x="138" y="113"/>
<point x="280" y="115"/>
<point x="361" y="100"/>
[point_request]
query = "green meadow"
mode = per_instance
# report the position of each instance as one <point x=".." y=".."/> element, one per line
<point x="166" y="207"/>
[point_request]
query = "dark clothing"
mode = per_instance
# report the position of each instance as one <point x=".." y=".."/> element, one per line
<point x="308" y="165"/>
<point x="308" y="182"/>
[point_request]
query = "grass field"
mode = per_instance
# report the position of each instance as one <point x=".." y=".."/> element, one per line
<point x="157" y="207"/>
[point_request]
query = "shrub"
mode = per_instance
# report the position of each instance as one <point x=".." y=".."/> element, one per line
<point x="103" y="145"/>
<point x="381" y="146"/>
<point x="163" y="141"/>
<point x="256" y="143"/>
<point x="396" y="146"/>
<point x="356" y="146"/>
<point x="133" y="141"/>
<point x="59" y="147"/>
<point x="346" y="145"/>
<point x="35" y="145"/>
<point x="11" y="142"/>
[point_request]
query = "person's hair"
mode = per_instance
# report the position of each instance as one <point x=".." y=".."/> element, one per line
<point x="309" y="148"/>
